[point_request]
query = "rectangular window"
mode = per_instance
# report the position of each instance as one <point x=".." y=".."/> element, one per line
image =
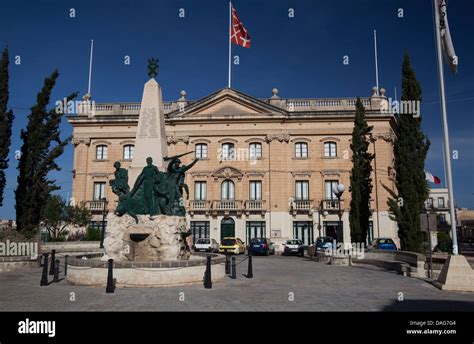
<point x="101" y="152"/>
<point x="429" y="203"/>
<point x="99" y="191"/>
<point x="329" y="184"/>
<point x="255" y="190"/>
<point x="302" y="190"/>
<point x="441" y="202"/>
<point x="200" y="191"/>
<point x="128" y="152"/>
<point x="255" y="151"/>
<point x="330" y="150"/>
<point x="228" y="151"/>
<point x="201" y="151"/>
<point x="301" y="150"/>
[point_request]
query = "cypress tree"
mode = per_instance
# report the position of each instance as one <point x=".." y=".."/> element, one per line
<point x="42" y="144"/>
<point x="6" y="121"/>
<point x="410" y="150"/>
<point x="361" y="181"/>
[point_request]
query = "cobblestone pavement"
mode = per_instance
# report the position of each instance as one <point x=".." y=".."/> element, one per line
<point x="279" y="284"/>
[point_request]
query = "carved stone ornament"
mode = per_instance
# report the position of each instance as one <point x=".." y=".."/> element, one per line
<point x="278" y="137"/>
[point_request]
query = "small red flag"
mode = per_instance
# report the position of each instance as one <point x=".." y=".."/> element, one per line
<point x="239" y="34"/>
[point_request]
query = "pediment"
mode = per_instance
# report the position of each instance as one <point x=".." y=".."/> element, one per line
<point x="228" y="102"/>
<point x="227" y="172"/>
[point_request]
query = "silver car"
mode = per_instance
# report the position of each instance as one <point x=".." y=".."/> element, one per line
<point x="206" y="245"/>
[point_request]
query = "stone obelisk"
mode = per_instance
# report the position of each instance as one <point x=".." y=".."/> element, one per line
<point x="151" y="137"/>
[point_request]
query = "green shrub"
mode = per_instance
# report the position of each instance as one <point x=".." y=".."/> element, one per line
<point x="445" y="244"/>
<point x="93" y="234"/>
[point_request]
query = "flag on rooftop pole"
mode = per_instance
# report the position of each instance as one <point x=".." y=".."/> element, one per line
<point x="446" y="41"/>
<point x="238" y="35"/>
<point x="432" y="178"/>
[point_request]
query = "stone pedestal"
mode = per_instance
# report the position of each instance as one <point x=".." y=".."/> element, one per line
<point x="456" y="275"/>
<point x="151" y="137"/>
<point x="156" y="238"/>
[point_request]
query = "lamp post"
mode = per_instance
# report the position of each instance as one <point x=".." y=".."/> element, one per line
<point x="325" y="213"/>
<point x="104" y="213"/>
<point x="338" y="190"/>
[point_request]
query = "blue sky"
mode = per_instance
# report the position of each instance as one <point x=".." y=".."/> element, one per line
<point x="301" y="56"/>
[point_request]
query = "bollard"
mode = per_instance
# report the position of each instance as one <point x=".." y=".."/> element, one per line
<point x="110" y="278"/>
<point x="207" y="274"/>
<point x="65" y="265"/>
<point x="250" y="271"/>
<point x="53" y="257"/>
<point x="56" y="271"/>
<point x="234" y="269"/>
<point x="227" y="263"/>
<point x="44" y="275"/>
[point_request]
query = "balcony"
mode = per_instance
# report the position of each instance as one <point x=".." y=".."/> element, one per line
<point x="255" y="206"/>
<point x="227" y="206"/>
<point x="96" y="206"/>
<point x="301" y="206"/>
<point x="332" y="205"/>
<point x="199" y="206"/>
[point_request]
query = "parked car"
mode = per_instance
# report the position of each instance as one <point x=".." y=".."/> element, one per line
<point x="206" y="245"/>
<point x="324" y="243"/>
<point x="293" y="246"/>
<point x="233" y="245"/>
<point x="383" y="244"/>
<point x="261" y="246"/>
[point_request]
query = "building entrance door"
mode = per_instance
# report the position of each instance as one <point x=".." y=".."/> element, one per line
<point x="227" y="228"/>
<point x="330" y="228"/>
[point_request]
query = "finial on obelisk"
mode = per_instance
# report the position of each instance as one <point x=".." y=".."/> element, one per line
<point x="153" y="67"/>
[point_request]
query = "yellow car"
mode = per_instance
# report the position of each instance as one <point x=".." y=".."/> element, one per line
<point x="232" y="245"/>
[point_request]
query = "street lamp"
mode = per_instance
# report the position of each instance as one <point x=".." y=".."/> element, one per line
<point x="325" y="213"/>
<point x="338" y="190"/>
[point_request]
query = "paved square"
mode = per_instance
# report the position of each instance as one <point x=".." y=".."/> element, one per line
<point x="312" y="286"/>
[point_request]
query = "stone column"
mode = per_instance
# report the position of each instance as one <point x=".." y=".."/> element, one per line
<point x="151" y="138"/>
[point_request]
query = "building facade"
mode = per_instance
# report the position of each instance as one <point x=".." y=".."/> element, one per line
<point x="266" y="169"/>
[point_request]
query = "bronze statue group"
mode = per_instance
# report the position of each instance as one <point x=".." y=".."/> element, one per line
<point x="154" y="192"/>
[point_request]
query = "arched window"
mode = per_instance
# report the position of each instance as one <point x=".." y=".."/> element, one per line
<point x="128" y="152"/>
<point x="228" y="150"/>
<point x="101" y="152"/>
<point x="330" y="149"/>
<point x="201" y="151"/>
<point x="301" y="150"/>
<point x="255" y="150"/>
<point x="227" y="190"/>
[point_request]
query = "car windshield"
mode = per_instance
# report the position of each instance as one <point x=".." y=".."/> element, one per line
<point x="385" y="241"/>
<point x="325" y="239"/>
<point x="228" y="242"/>
<point x="203" y="241"/>
<point x="293" y="242"/>
<point x="257" y="241"/>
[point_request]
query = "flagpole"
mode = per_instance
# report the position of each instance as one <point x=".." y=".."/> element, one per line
<point x="447" y="157"/>
<point x="376" y="62"/>
<point x="90" y="68"/>
<point x="230" y="44"/>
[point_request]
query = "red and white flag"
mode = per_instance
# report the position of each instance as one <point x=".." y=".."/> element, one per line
<point x="431" y="178"/>
<point x="238" y="33"/>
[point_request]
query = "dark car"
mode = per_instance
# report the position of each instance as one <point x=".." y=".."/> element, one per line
<point x="261" y="246"/>
<point x="293" y="246"/>
<point x="383" y="244"/>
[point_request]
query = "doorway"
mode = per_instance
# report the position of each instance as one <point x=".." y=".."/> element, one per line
<point x="227" y="227"/>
